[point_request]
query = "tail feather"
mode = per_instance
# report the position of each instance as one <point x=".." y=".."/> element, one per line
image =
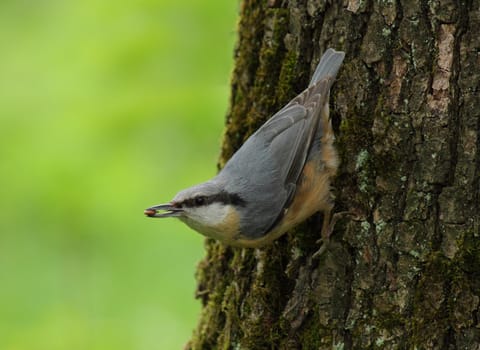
<point x="328" y="66"/>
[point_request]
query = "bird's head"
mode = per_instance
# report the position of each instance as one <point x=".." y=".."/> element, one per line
<point x="207" y="208"/>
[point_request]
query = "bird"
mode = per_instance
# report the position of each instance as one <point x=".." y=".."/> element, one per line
<point x="277" y="179"/>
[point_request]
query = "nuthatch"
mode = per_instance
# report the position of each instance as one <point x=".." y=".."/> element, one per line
<point x="277" y="179"/>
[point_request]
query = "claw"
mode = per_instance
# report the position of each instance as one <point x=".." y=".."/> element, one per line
<point x="329" y="222"/>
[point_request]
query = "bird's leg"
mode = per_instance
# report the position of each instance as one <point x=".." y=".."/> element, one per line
<point x="328" y="225"/>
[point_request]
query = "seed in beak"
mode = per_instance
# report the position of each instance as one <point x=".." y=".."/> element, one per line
<point x="149" y="212"/>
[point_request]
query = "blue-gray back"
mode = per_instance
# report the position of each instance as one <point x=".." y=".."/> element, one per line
<point x="265" y="170"/>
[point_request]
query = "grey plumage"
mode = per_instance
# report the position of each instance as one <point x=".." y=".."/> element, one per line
<point x="266" y="168"/>
<point x="279" y="177"/>
<point x="329" y="65"/>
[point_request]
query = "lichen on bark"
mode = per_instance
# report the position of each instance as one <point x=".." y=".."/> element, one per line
<point x="406" y="109"/>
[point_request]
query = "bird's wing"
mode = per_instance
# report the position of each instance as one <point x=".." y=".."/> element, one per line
<point x="290" y="132"/>
<point x="266" y="169"/>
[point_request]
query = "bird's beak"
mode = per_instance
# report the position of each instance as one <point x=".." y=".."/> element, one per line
<point x="170" y="211"/>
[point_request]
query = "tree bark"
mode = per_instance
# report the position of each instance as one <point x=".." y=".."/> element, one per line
<point x="406" y="109"/>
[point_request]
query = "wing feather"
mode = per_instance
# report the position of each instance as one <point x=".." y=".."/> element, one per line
<point x="266" y="169"/>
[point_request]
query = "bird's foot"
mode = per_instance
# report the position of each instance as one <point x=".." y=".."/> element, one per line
<point x="329" y="222"/>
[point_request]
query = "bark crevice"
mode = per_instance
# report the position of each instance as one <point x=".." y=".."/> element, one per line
<point x="406" y="111"/>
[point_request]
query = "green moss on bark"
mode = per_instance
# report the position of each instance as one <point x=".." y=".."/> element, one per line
<point x="405" y="273"/>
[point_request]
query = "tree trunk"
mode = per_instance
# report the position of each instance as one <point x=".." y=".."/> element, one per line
<point x="406" y="109"/>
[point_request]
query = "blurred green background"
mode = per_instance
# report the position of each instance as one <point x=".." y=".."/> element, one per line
<point x="106" y="107"/>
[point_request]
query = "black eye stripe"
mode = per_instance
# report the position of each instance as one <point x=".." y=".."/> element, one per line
<point x="222" y="197"/>
<point x="200" y="200"/>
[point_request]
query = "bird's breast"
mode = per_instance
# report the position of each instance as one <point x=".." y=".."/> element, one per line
<point x="312" y="195"/>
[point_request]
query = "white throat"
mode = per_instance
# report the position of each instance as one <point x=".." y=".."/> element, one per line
<point x="215" y="220"/>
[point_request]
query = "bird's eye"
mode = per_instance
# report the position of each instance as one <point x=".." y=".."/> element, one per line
<point x="200" y="200"/>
